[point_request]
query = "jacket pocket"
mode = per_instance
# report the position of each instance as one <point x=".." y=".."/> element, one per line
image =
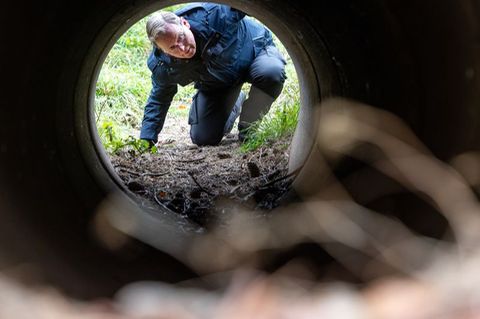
<point x="224" y="73"/>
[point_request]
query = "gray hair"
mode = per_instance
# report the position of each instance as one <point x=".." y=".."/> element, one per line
<point x="156" y="24"/>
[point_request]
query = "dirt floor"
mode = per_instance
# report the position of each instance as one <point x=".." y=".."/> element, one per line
<point x="188" y="179"/>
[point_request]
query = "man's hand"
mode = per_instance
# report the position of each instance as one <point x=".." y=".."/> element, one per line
<point x="149" y="144"/>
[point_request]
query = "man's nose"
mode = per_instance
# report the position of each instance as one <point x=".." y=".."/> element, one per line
<point x="181" y="47"/>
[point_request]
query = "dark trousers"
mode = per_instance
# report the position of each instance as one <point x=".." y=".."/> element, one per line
<point x="210" y="110"/>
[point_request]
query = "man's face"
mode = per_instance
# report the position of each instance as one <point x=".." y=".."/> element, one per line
<point x="179" y="41"/>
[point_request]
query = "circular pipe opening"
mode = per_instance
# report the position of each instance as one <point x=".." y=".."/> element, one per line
<point x="195" y="202"/>
<point x="292" y="38"/>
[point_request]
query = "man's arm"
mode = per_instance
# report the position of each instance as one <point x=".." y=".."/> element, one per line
<point x="156" y="109"/>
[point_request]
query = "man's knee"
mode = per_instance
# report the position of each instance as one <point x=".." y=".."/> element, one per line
<point x="270" y="78"/>
<point x="205" y="138"/>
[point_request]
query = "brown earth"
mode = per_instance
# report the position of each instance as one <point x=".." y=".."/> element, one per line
<point x="188" y="179"/>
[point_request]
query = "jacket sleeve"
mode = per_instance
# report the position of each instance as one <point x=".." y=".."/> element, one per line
<point x="156" y="109"/>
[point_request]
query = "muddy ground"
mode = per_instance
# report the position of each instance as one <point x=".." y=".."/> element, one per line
<point x="188" y="179"/>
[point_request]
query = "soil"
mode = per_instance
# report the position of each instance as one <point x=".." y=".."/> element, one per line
<point x="189" y="180"/>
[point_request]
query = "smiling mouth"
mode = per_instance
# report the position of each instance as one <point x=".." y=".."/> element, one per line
<point x="188" y="53"/>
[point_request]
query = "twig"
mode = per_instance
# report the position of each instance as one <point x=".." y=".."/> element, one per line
<point x="295" y="172"/>
<point x="192" y="160"/>
<point x="99" y="112"/>
<point x="198" y="184"/>
<point x="260" y="154"/>
<point x="129" y="171"/>
<point x="154" y="174"/>
<point x="159" y="202"/>
<point x="141" y="174"/>
<point x="234" y="189"/>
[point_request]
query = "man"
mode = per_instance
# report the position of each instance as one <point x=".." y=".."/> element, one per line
<point x="219" y="49"/>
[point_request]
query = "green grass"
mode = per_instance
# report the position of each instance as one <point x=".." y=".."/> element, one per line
<point x="124" y="84"/>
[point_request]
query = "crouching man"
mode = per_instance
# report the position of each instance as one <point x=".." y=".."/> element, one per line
<point x="219" y="49"/>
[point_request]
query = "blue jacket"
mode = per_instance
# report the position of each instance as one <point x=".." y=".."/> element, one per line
<point x="227" y="43"/>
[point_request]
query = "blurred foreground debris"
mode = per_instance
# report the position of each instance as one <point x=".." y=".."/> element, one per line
<point x="256" y="297"/>
<point x="405" y="275"/>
